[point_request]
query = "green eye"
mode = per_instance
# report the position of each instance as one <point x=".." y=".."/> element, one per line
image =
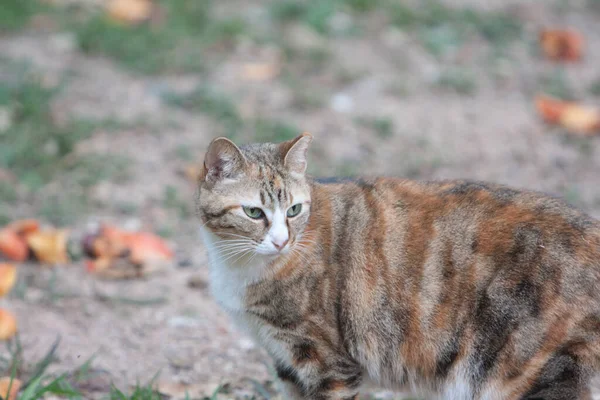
<point x="294" y="210"/>
<point x="253" y="212"/>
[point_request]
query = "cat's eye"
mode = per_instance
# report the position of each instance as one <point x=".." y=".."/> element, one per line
<point x="294" y="210"/>
<point x="253" y="212"/>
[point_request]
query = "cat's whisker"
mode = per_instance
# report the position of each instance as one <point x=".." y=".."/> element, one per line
<point x="228" y="244"/>
<point x="232" y="234"/>
<point x="242" y="255"/>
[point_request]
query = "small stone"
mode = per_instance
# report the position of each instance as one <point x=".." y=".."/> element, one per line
<point x="342" y="103"/>
<point x="181" y="321"/>
<point x="197" y="282"/>
<point x="64" y="42"/>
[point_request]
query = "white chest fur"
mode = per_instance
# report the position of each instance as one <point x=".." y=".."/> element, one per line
<point x="229" y="282"/>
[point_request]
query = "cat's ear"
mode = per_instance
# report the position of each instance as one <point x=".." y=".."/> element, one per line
<point x="223" y="160"/>
<point x="294" y="153"/>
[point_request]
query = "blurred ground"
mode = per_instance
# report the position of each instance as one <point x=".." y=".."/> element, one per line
<point x="98" y="121"/>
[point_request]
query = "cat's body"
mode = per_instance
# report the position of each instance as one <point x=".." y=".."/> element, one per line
<point x="459" y="289"/>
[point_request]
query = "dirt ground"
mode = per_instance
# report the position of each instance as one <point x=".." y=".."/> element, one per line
<point x="380" y="104"/>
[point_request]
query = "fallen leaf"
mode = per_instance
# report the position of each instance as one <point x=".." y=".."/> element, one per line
<point x="49" y="246"/>
<point x="12" y="246"/>
<point x="8" y="277"/>
<point x="130" y="11"/>
<point x="8" y="325"/>
<point x="561" y="44"/>
<point x="260" y="71"/>
<point x="14" y="384"/>
<point x="121" y="254"/>
<point x="574" y="117"/>
<point x="549" y="108"/>
<point x="122" y="268"/>
<point x="581" y="119"/>
<point x="24" y="227"/>
<point x="143" y="246"/>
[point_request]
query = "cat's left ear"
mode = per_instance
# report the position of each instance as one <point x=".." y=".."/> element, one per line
<point x="294" y="153"/>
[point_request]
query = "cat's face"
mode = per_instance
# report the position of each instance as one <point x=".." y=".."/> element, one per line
<point x="256" y="199"/>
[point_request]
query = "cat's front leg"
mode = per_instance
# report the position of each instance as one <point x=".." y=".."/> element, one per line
<point x="332" y="383"/>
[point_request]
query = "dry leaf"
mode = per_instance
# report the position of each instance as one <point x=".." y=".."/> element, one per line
<point x="8" y="277"/>
<point x="13" y="246"/>
<point x="130" y="11"/>
<point x="260" y="71"/>
<point x="549" y="108"/>
<point x="24" y="227"/>
<point x="563" y="45"/>
<point x="122" y="268"/>
<point x="8" y="325"/>
<point x="143" y="246"/>
<point x="573" y="117"/>
<point x="14" y="384"/>
<point x="122" y="254"/>
<point x="49" y="246"/>
<point x="581" y="119"/>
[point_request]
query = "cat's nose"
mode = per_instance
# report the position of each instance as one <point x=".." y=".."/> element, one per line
<point x="280" y="244"/>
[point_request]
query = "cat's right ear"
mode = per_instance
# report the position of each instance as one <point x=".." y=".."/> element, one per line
<point x="223" y="160"/>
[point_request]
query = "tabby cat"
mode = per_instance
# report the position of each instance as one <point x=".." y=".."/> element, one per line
<point x="455" y="289"/>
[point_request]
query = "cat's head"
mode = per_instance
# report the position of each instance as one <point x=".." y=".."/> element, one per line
<point x="255" y="198"/>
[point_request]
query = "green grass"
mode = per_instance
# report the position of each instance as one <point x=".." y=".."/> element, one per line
<point x="442" y="27"/>
<point x="556" y="84"/>
<point x="222" y="109"/>
<point x="317" y="13"/>
<point x="459" y="80"/>
<point x="34" y="147"/>
<point x="176" y="43"/>
<point x="38" y="150"/>
<point x="37" y="383"/>
<point x="595" y="87"/>
<point x="267" y="130"/>
<point x="173" y="201"/>
<point x="212" y="103"/>
<point x="382" y="126"/>
<point x="17" y="13"/>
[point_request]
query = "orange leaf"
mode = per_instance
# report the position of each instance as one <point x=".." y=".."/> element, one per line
<point x="573" y="117"/>
<point x="581" y="119"/>
<point x="8" y="277"/>
<point x="550" y="109"/>
<point x="8" y="325"/>
<point x="49" y="246"/>
<point x="24" y="227"/>
<point x="561" y="45"/>
<point x="143" y="246"/>
<point x="12" y="245"/>
<point x="14" y="384"/>
<point x="129" y="11"/>
<point x="147" y="247"/>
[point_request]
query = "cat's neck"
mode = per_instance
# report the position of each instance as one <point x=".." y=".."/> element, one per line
<point x="231" y="274"/>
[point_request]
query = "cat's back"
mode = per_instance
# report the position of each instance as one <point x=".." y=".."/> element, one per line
<point x="461" y="277"/>
<point x="492" y="219"/>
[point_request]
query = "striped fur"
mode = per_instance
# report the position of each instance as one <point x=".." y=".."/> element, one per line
<point x="463" y="290"/>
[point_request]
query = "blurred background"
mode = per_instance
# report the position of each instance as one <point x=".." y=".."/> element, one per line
<point x="106" y="108"/>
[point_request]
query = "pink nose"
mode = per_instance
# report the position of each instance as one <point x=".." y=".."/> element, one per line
<point x="281" y="245"/>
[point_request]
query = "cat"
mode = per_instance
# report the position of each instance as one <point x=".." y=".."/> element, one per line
<point x="454" y="289"/>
